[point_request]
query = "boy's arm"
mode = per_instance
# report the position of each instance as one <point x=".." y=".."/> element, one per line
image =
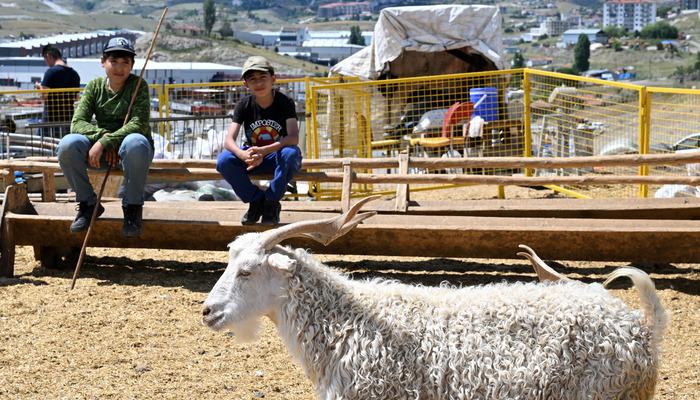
<point x="138" y="119"/>
<point x="230" y="144"/>
<point x="292" y="139"/>
<point x="82" y="117"/>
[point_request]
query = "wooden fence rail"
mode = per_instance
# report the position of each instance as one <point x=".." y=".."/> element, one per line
<point x="193" y="170"/>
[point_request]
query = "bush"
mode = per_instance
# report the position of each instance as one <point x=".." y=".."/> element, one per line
<point x="567" y="70"/>
<point x="659" y="30"/>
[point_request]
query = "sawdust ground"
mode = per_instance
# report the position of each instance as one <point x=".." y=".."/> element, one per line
<point x="130" y="329"/>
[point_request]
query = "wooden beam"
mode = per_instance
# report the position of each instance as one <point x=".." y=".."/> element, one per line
<point x="650" y="208"/>
<point x="407" y="235"/>
<point x="629" y="160"/>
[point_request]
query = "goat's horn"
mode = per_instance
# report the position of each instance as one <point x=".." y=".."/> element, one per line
<point x="323" y="231"/>
<point x="544" y="271"/>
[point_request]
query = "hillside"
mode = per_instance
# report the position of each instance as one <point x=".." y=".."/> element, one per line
<point x="33" y="18"/>
<point x="171" y="47"/>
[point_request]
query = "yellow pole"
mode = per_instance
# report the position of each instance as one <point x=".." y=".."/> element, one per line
<point x="307" y="116"/>
<point x="644" y="132"/>
<point x="527" y="131"/>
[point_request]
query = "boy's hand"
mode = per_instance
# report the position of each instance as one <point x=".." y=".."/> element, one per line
<point x="256" y="151"/>
<point x="112" y="157"/>
<point x="95" y="154"/>
<point x="253" y="162"/>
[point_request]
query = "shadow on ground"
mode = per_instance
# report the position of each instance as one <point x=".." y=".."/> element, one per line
<point x="201" y="276"/>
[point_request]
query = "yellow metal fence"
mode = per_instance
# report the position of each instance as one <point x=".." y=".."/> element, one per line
<point x="522" y="112"/>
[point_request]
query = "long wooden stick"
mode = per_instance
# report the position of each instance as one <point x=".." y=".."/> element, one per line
<point x="93" y="217"/>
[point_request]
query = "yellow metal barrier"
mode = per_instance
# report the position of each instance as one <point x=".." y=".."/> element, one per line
<point x="674" y="126"/>
<point x="578" y="116"/>
<point x="522" y="112"/>
<point x="426" y="116"/>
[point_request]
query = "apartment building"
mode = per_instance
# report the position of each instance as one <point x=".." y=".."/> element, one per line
<point x="633" y="15"/>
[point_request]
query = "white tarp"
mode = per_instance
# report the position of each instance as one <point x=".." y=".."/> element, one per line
<point x="455" y="34"/>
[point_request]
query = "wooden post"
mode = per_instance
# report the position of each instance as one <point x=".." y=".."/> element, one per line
<point x="16" y="201"/>
<point x="48" y="187"/>
<point x="402" y="193"/>
<point x="9" y="178"/>
<point x="346" y="192"/>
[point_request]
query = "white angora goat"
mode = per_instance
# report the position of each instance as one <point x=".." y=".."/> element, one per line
<point x="385" y="340"/>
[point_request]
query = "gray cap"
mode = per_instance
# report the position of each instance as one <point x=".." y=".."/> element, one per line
<point x="119" y="44"/>
<point x="257" y="63"/>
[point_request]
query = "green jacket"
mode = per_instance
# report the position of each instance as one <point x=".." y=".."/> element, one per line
<point x="109" y="109"/>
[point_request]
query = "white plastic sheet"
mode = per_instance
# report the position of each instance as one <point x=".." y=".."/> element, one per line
<point x="403" y="36"/>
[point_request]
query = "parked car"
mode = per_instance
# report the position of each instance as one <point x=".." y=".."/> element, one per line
<point x="690" y="142"/>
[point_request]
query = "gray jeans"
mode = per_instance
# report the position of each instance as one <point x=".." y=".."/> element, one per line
<point x="135" y="155"/>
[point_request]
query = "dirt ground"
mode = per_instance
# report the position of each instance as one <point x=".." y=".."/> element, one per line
<point x="131" y="330"/>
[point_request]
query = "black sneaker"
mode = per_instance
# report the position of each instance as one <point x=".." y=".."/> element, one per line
<point x="133" y="220"/>
<point x="255" y="210"/>
<point x="271" y="212"/>
<point x="82" y="220"/>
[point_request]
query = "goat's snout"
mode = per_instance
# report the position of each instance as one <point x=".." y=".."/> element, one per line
<point x="206" y="311"/>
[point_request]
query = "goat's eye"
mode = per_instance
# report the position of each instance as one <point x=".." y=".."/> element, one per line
<point x="243" y="273"/>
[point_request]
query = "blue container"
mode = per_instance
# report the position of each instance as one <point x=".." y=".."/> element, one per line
<point x="487" y="107"/>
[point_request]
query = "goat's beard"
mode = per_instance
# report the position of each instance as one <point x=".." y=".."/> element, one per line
<point x="246" y="330"/>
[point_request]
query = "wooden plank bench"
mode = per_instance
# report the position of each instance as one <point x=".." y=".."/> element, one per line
<point x="643" y="230"/>
<point x="197" y="227"/>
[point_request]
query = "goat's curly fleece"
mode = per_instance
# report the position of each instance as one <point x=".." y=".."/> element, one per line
<point x="385" y="340"/>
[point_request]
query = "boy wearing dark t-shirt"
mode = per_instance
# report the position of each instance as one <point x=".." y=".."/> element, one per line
<point x="268" y="118"/>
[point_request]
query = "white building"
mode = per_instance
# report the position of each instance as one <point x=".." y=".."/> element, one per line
<point x="316" y="46"/>
<point x="71" y="45"/>
<point x="570" y="37"/>
<point x="259" y="37"/>
<point x="554" y="26"/>
<point x="24" y="71"/>
<point x="632" y="15"/>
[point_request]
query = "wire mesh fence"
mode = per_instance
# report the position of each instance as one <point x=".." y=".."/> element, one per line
<point x="574" y="116"/>
<point x="428" y="117"/>
<point x="674" y="127"/>
<point x="499" y="113"/>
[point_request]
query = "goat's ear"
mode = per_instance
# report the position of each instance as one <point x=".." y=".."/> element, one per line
<point x="282" y="262"/>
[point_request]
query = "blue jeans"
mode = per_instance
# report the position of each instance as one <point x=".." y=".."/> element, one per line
<point x="282" y="164"/>
<point x="135" y="155"/>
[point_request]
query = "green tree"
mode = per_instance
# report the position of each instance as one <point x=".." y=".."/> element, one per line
<point x="615" y="31"/>
<point x="356" y="36"/>
<point x="659" y="30"/>
<point x="662" y="11"/>
<point x="226" y="30"/>
<point x="616" y="45"/>
<point x="582" y="52"/>
<point x="209" y="16"/>
<point x="518" y="60"/>
<point x="567" y="70"/>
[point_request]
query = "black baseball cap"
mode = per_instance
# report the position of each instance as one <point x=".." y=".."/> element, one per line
<point x="119" y="44"/>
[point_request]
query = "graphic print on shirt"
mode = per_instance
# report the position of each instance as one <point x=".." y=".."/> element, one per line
<point x="264" y="132"/>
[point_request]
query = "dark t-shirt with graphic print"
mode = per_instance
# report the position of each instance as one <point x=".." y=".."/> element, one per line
<point x="263" y="126"/>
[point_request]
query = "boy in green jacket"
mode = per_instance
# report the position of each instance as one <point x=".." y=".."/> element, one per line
<point x="110" y="141"/>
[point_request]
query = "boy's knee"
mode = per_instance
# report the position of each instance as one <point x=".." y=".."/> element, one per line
<point x="226" y="161"/>
<point x="291" y="156"/>
<point x="222" y="162"/>
<point x="290" y="153"/>
<point x="71" y="148"/>
<point x="135" y="148"/>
